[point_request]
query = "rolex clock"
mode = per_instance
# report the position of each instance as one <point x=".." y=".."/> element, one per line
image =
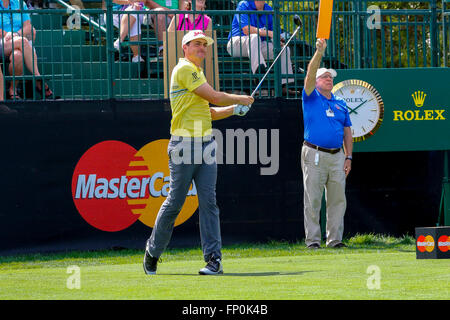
<point x="365" y="106"/>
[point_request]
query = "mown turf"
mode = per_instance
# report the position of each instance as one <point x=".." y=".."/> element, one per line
<point x="274" y="270"/>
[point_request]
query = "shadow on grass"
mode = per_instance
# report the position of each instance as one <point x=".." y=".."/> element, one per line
<point x="247" y="274"/>
<point x="264" y="274"/>
<point x="357" y="248"/>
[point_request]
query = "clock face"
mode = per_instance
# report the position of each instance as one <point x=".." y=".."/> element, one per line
<point x="365" y="107"/>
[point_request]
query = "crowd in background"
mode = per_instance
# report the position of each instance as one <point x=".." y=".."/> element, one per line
<point x="249" y="33"/>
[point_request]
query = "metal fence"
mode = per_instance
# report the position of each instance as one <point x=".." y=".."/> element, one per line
<point x="77" y="57"/>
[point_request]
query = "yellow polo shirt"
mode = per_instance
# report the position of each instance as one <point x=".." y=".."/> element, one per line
<point x="191" y="116"/>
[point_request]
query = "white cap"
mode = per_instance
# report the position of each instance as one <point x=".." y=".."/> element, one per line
<point x="196" y="34"/>
<point x="321" y="72"/>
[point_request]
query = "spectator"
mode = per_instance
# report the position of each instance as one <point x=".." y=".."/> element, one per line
<point x="128" y="24"/>
<point x="187" y="21"/>
<point x="16" y="44"/>
<point x="251" y="36"/>
<point x="160" y="22"/>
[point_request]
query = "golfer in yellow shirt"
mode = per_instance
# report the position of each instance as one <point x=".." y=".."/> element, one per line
<point x="190" y="96"/>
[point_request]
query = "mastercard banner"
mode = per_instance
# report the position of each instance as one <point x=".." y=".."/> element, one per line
<point x="433" y="243"/>
<point x="114" y="185"/>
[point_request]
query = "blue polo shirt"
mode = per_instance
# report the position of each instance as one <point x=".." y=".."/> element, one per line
<point x="242" y="20"/>
<point x="319" y="128"/>
<point x="16" y="23"/>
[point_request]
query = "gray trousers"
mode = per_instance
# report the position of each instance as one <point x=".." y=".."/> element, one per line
<point x="328" y="174"/>
<point x="204" y="175"/>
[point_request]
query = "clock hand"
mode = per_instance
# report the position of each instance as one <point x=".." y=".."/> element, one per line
<point x="354" y="110"/>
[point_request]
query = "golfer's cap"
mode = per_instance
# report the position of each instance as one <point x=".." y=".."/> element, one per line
<point x="322" y="71"/>
<point x="196" y="34"/>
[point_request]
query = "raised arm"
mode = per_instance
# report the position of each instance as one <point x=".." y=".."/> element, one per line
<point x="314" y="64"/>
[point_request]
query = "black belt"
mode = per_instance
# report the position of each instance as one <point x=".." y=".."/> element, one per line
<point x="332" y="151"/>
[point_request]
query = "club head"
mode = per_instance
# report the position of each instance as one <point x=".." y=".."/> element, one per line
<point x="297" y="21"/>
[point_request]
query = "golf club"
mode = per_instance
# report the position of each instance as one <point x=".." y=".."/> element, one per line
<point x="298" y="23"/>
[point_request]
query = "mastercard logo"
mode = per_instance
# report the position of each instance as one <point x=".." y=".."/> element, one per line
<point x="444" y="243"/>
<point x="425" y="243"/>
<point x="114" y="185"/>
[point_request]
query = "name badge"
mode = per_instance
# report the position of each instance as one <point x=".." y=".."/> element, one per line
<point x="316" y="159"/>
<point x="330" y="113"/>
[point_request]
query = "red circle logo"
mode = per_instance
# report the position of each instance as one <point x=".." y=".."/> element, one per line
<point x="444" y="243"/>
<point x="113" y="185"/>
<point x="425" y="243"/>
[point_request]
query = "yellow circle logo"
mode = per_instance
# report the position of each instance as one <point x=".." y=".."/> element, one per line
<point x="151" y="165"/>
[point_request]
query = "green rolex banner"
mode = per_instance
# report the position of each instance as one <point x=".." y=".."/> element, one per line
<point x="397" y="109"/>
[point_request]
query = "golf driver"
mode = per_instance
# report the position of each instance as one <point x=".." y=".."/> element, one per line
<point x="242" y="110"/>
<point x="298" y="23"/>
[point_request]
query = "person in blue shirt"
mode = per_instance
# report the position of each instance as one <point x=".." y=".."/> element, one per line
<point x="16" y="45"/>
<point x="326" y="153"/>
<point x="251" y="37"/>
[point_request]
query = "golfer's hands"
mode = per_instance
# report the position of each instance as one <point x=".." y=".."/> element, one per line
<point x="321" y="45"/>
<point x="244" y="103"/>
<point x="240" y="110"/>
<point x="347" y="166"/>
<point x="245" y="100"/>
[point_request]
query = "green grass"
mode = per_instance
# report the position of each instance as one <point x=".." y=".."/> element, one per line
<point x="274" y="270"/>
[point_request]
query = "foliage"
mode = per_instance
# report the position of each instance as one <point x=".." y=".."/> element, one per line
<point x="406" y="37"/>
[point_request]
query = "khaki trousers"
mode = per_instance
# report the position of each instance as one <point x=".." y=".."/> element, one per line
<point x="327" y="175"/>
<point x="258" y="51"/>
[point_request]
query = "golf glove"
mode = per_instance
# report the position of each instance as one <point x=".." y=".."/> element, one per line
<point x="240" y="110"/>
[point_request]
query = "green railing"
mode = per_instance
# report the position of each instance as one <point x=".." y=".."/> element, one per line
<point x="445" y="32"/>
<point x="77" y="58"/>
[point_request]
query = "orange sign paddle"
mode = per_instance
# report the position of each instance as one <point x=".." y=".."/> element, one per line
<point x="324" y="23"/>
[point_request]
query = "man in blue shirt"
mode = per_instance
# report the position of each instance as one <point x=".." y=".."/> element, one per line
<point x="324" y="164"/>
<point x="251" y="37"/>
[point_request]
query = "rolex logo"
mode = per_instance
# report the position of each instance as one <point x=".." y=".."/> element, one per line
<point x="419" y="98"/>
<point x="422" y="114"/>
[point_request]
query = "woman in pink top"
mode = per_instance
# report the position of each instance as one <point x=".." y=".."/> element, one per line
<point x="187" y="22"/>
